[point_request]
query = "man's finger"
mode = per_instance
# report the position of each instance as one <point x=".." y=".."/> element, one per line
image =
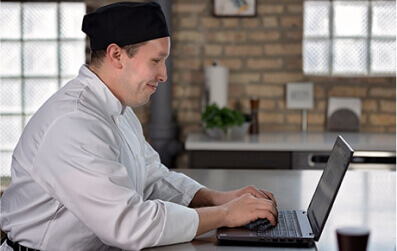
<point x="269" y="216"/>
<point x="257" y="193"/>
<point x="267" y="206"/>
<point x="269" y="196"/>
<point x="260" y="195"/>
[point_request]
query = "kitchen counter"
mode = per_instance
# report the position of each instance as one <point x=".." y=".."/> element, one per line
<point x="366" y="199"/>
<point x="294" y="141"/>
<point x="290" y="150"/>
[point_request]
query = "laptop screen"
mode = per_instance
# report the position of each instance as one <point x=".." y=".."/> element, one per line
<point x="328" y="186"/>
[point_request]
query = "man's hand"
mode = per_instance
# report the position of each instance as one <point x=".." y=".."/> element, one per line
<point x="207" y="197"/>
<point x="220" y="198"/>
<point x="237" y="212"/>
<point x="234" y="208"/>
<point x="247" y="208"/>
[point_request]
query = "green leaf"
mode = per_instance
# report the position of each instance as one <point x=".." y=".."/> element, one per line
<point x="223" y="118"/>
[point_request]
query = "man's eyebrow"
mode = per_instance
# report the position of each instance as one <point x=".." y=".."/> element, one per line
<point x="162" y="55"/>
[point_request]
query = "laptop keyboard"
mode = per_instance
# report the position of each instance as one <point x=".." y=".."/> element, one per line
<point x="287" y="226"/>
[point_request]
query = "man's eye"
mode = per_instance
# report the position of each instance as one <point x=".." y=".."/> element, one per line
<point x="156" y="61"/>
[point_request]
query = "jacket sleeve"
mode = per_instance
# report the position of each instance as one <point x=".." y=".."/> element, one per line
<point x="77" y="164"/>
<point x="175" y="189"/>
<point x="167" y="185"/>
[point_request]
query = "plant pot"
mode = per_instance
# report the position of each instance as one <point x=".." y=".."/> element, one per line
<point x="235" y="132"/>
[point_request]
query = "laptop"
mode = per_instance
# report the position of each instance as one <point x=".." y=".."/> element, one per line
<point x="298" y="227"/>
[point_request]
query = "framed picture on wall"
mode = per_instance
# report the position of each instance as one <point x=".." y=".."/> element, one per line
<point x="234" y="8"/>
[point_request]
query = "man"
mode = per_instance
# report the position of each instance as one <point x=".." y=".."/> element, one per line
<point x="83" y="176"/>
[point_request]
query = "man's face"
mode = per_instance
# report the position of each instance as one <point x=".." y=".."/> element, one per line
<point x="141" y="74"/>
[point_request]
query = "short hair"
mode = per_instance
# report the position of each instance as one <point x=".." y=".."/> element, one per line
<point x="97" y="56"/>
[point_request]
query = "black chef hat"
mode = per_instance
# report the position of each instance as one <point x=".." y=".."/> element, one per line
<point x="124" y="23"/>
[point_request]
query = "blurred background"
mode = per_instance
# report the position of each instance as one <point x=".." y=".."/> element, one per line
<point x="344" y="48"/>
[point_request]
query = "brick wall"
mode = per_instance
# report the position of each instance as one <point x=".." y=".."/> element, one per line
<point x="263" y="54"/>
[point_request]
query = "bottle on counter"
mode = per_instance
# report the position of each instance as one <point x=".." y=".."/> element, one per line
<point x="254" y="128"/>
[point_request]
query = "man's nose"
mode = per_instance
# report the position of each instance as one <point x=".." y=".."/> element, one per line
<point x="162" y="76"/>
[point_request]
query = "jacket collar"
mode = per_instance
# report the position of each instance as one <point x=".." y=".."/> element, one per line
<point x="111" y="103"/>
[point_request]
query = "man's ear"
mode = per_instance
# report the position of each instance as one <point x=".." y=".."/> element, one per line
<point x="113" y="53"/>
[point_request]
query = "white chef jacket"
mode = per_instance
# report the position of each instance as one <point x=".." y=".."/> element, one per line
<point x="84" y="178"/>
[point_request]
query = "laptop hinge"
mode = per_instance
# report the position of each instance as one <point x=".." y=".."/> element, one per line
<point x="314" y="224"/>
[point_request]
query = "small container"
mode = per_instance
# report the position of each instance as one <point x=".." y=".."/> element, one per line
<point x="352" y="238"/>
<point x="254" y="128"/>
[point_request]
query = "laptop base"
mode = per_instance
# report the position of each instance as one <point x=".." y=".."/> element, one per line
<point x="282" y="243"/>
<point x="234" y="236"/>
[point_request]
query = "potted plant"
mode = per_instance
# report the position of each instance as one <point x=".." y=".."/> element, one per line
<point x="224" y="123"/>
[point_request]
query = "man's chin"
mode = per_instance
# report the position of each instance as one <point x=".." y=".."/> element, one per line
<point x="141" y="103"/>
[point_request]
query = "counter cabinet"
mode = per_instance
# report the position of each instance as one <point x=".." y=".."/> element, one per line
<point x="293" y="150"/>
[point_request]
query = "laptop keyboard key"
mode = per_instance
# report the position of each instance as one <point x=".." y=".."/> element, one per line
<point x="291" y="233"/>
<point x="287" y="227"/>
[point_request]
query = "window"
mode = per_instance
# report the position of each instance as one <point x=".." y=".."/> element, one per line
<point x="42" y="47"/>
<point x="349" y="38"/>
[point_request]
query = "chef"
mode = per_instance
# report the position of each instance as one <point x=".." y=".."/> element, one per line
<point x="83" y="175"/>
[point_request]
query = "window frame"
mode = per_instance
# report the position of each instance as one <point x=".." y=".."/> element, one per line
<point x="331" y="38"/>
<point x="23" y="114"/>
